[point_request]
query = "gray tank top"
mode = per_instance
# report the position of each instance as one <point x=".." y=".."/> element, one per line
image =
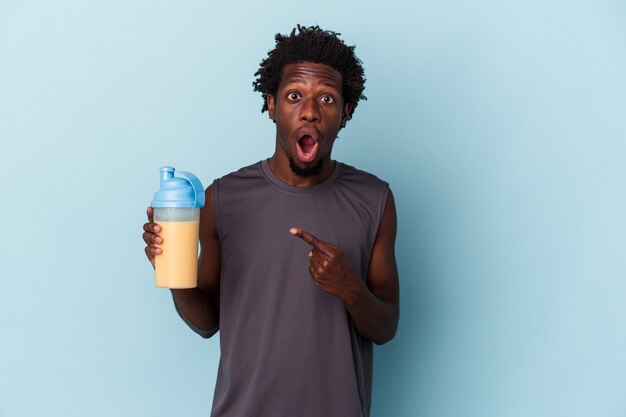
<point x="289" y="349"/>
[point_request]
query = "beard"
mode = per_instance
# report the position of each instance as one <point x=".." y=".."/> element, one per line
<point x="305" y="172"/>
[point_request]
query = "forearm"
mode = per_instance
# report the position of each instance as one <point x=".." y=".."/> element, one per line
<point x="373" y="318"/>
<point x="195" y="307"/>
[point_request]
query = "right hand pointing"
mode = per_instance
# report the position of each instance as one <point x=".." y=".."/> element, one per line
<point x="151" y="237"/>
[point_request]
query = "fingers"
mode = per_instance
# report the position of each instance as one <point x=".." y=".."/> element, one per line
<point x="319" y="264"/>
<point x="151" y="237"/>
<point x="315" y="276"/>
<point x="151" y="227"/>
<point x="152" y="240"/>
<point x="152" y="251"/>
<point x="306" y="236"/>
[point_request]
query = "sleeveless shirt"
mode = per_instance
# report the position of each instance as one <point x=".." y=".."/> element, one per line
<point x="289" y="349"/>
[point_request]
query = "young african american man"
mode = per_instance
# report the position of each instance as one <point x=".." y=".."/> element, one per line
<point x="297" y="268"/>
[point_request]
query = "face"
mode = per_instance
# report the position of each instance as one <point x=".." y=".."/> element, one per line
<point x="309" y="111"/>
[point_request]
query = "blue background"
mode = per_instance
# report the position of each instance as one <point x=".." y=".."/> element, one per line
<point x="500" y="125"/>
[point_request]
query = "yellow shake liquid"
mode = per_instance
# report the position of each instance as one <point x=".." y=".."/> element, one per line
<point x="177" y="265"/>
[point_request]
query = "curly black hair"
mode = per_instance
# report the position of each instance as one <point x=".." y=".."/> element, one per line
<point x="316" y="45"/>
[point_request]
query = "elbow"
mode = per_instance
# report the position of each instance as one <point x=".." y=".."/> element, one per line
<point x="391" y="329"/>
<point x="385" y="338"/>
<point x="207" y="334"/>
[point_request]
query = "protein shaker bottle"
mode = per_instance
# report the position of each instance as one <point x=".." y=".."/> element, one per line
<point x="177" y="210"/>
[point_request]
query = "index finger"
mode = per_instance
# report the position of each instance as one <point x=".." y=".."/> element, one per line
<point x="150" y="213"/>
<point x="306" y="236"/>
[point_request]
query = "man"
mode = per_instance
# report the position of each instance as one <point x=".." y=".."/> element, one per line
<point x="297" y="267"/>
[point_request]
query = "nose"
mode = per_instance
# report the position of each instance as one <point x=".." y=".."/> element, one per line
<point x="310" y="111"/>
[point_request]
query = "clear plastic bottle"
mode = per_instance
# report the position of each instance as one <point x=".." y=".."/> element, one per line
<point x="177" y="210"/>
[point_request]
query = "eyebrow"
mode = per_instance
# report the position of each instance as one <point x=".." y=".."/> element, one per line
<point x="334" y="85"/>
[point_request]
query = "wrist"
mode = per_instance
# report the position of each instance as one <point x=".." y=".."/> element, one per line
<point x="354" y="294"/>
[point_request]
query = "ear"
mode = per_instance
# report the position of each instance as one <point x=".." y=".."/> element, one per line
<point x="347" y="111"/>
<point x="271" y="107"/>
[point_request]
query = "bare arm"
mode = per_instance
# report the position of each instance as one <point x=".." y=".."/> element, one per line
<point x="374" y="305"/>
<point x="198" y="307"/>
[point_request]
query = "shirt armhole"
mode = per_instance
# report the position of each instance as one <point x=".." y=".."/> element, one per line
<point x="216" y="207"/>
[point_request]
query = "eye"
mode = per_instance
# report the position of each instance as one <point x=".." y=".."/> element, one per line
<point x="327" y="99"/>
<point x="293" y="96"/>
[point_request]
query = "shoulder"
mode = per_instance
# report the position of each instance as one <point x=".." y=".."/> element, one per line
<point x="244" y="178"/>
<point x="348" y="172"/>
<point x="247" y="172"/>
<point x="365" y="188"/>
<point x="362" y="180"/>
<point x="240" y="188"/>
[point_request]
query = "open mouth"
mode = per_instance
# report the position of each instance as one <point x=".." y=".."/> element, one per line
<point x="307" y="146"/>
